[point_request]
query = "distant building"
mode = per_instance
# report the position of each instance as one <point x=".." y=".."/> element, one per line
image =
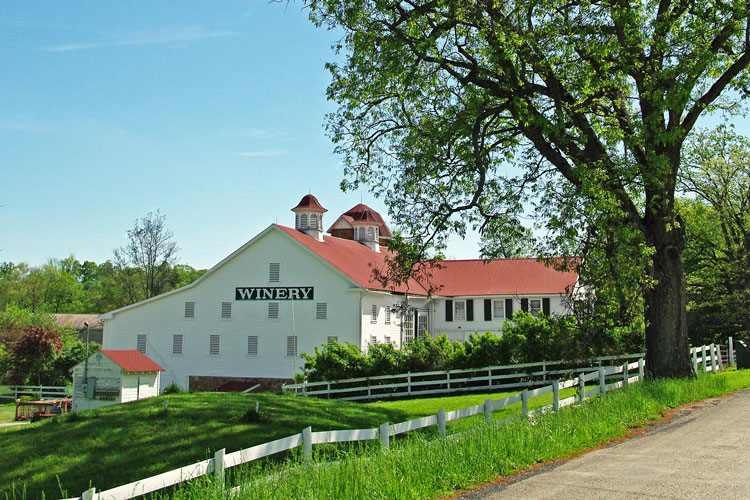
<point x="109" y="377"/>
<point x="78" y="322"/>
<point x="288" y="290"/>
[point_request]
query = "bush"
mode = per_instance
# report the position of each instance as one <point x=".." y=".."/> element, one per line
<point x="173" y="388"/>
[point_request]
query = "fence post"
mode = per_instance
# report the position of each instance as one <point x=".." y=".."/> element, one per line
<point x="307" y="444"/>
<point x="641" y="370"/>
<point x="385" y="435"/>
<point x="705" y="365"/>
<point x="602" y="382"/>
<point x="556" y="396"/>
<point x="713" y="357"/>
<point x="581" y="387"/>
<point x="625" y="374"/>
<point x="408" y="382"/>
<point x="441" y="422"/>
<point x="448" y="378"/>
<point x="219" y="464"/>
<point x="488" y="411"/>
<point x="719" y="363"/>
<point x="544" y="371"/>
<point x="731" y="351"/>
<point x="695" y="360"/>
<point x="89" y="494"/>
<point x="525" y="402"/>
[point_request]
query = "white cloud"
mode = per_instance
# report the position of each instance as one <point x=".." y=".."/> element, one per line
<point x="178" y="37"/>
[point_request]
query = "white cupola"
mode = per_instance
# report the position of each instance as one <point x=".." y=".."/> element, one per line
<point x="366" y="229"/>
<point x="309" y="216"/>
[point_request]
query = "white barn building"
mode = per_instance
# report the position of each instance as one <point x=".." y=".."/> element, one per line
<point x="288" y="290"/>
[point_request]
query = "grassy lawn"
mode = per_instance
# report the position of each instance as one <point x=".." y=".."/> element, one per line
<point x="123" y="443"/>
<point x="7" y="412"/>
<point x="418" y="468"/>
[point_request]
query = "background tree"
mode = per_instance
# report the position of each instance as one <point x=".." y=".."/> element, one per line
<point x="37" y="346"/>
<point x="716" y="171"/>
<point x="459" y="113"/>
<point x="145" y="264"/>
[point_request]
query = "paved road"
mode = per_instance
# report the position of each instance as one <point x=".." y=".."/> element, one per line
<point x="704" y="452"/>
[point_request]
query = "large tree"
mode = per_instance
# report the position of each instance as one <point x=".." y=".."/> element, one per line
<point x="450" y="109"/>
<point x="145" y="264"/>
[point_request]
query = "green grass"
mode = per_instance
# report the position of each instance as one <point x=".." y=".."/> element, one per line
<point x="7" y="412"/>
<point x="418" y="468"/>
<point x="123" y="443"/>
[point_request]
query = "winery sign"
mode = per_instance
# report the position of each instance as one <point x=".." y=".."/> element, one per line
<point x="274" y="293"/>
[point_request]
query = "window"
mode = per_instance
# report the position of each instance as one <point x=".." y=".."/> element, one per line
<point x="273" y="310"/>
<point x="407" y="320"/>
<point x="321" y="310"/>
<point x="374" y="314"/>
<point x="274" y="272"/>
<point x="387" y="339"/>
<point x="535" y="306"/>
<point x="177" y="343"/>
<point x="387" y="315"/>
<point x="303" y="222"/>
<point x="291" y="346"/>
<point x="140" y="344"/>
<point x="226" y="310"/>
<point x="313" y="221"/>
<point x="214" y="343"/>
<point x="370" y="234"/>
<point x="459" y="311"/>
<point x="331" y="340"/>
<point x="252" y="345"/>
<point x="498" y="309"/>
<point x="373" y="340"/>
<point x="190" y="309"/>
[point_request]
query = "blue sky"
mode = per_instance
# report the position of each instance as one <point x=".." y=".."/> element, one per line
<point x="211" y="113"/>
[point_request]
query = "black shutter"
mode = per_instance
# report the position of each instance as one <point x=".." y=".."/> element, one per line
<point x="509" y="308"/>
<point x="525" y="305"/>
<point x="448" y="310"/>
<point x="488" y="309"/>
<point x="545" y="307"/>
<point x="470" y="310"/>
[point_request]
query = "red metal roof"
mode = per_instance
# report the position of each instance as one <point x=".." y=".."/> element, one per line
<point x="310" y="202"/>
<point x="132" y="361"/>
<point x="451" y="277"/>
<point x="366" y="217"/>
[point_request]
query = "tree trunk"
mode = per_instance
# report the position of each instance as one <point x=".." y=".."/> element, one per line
<point x="667" y="352"/>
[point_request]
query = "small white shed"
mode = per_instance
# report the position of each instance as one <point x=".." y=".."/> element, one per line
<point x="109" y="377"/>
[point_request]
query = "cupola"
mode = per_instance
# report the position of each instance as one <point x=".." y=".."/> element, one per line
<point x="366" y="230"/>
<point x="309" y="216"/>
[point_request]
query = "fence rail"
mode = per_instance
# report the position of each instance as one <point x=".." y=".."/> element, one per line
<point x="490" y="378"/>
<point x="41" y="391"/>
<point x="607" y="378"/>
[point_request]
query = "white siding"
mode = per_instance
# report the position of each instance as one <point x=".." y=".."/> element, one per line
<point x="108" y="376"/>
<point x="380" y="330"/>
<point x="162" y="318"/>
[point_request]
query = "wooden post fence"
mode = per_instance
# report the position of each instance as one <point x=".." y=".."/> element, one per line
<point x="731" y="351"/>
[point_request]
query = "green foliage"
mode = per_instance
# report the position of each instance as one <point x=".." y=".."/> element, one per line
<point x="37" y="346"/>
<point x="524" y="339"/>
<point x="173" y="388"/>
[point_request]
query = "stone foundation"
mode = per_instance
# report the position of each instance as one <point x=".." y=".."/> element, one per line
<point x="199" y="383"/>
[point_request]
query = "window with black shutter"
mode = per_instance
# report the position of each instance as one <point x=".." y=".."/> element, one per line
<point x="448" y="310"/>
<point x="525" y="305"/>
<point x="488" y="309"/>
<point x="469" y="309"/>
<point x="546" y="307"/>
<point x="509" y="308"/>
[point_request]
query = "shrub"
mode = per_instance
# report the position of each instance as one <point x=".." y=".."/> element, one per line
<point x="173" y="388"/>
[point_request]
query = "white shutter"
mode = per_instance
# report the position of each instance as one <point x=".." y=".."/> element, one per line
<point x="321" y="310"/>
<point x="226" y="310"/>
<point x="177" y="339"/>
<point x="252" y="345"/>
<point x="274" y="272"/>
<point x="291" y="346"/>
<point x="273" y="310"/>
<point x="140" y="344"/>
<point x="190" y="309"/>
<point x="214" y="346"/>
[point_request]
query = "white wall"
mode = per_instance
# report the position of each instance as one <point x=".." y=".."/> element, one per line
<point x="107" y="374"/>
<point x="461" y="329"/>
<point x="139" y="386"/>
<point x="164" y="317"/>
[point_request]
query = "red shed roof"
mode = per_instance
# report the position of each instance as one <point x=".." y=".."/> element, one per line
<point x="310" y="202"/>
<point x="132" y="361"/>
<point x="451" y="277"/>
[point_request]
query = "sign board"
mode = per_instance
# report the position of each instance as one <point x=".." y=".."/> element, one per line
<point x="274" y="293"/>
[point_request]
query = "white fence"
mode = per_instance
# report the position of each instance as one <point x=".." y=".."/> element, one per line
<point x="490" y="378"/>
<point x="605" y="378"/>
<point x="622" y="375"/>
<point x="38" y="391"/>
